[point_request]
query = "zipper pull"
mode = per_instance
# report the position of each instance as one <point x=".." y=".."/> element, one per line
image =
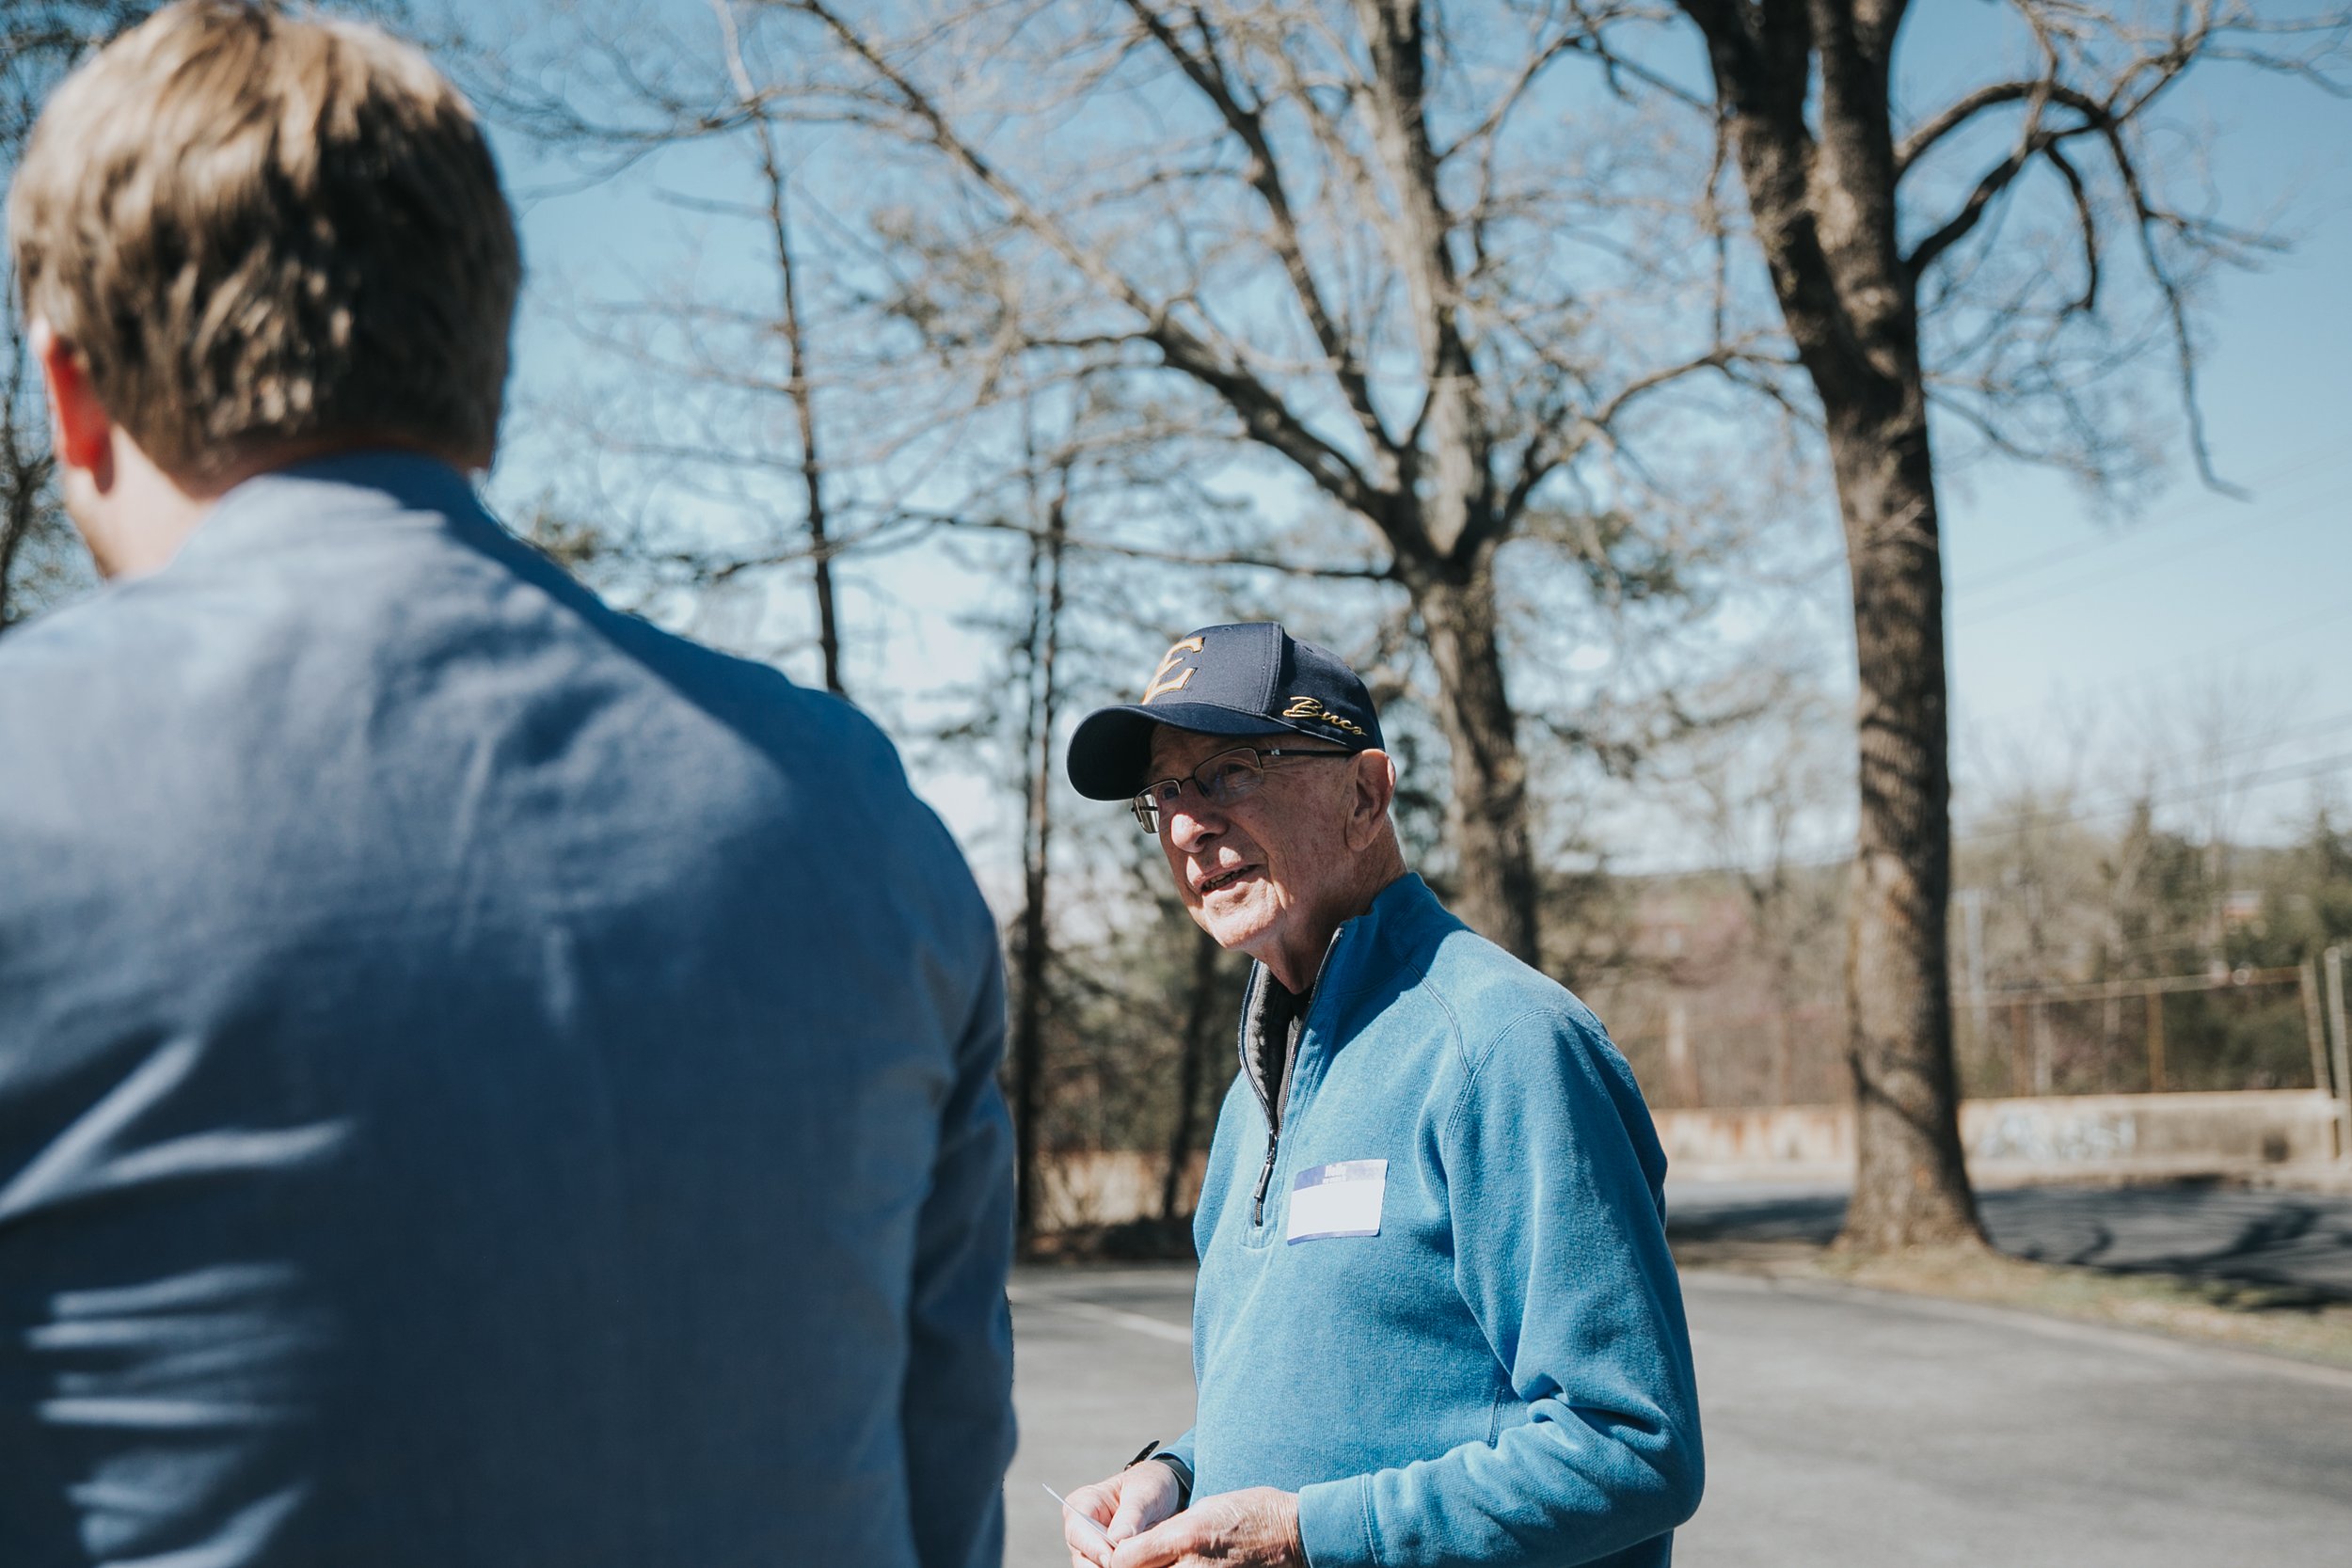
<point x="1265" y="1175"/>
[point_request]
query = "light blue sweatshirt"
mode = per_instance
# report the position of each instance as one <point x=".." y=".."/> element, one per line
<point x="1501" y="1373"/>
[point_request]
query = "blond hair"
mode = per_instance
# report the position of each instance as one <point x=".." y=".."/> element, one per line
<point x="264" y="233"/>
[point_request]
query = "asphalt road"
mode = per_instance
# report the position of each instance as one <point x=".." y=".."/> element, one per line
<point x="1843" y="1427"/>
<point x="2208" y="1230"/>
<point x="1101" y="1361"/>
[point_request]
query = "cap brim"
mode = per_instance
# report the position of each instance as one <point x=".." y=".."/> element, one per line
<point x="1111" y="749"/>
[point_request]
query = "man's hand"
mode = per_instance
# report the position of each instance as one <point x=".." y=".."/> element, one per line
<point x="1135" y="1500"/>
<point x="1257" y="1529"/>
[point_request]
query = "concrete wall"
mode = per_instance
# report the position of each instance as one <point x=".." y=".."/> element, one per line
<point x="2126" y="1133"/>
<point x="2006" y="1140"/>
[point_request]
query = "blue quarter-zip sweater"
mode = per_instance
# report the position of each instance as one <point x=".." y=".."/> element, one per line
<point x="1498" y="1372"/>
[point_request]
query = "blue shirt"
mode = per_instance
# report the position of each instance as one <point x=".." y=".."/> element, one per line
<point x="1500" y="1374"/>
<point x="482" y="1082"/>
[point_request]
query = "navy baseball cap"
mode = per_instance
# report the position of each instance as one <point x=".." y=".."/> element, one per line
<point x="1245" y="679"/>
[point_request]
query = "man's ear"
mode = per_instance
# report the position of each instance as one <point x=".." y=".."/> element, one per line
<point x="1372" y="788"/>
<point x="81" y="430"/>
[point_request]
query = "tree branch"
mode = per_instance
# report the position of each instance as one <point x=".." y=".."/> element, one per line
<point x="1262" y="411"/>
<point x="2087" y="219"/>
<point x="1558" y="441"/>
<point x="1245" y="559"/>
<point x="1952" y="116"/>
<point x="1421" y="237"/>
<point x="1265" y="175"/>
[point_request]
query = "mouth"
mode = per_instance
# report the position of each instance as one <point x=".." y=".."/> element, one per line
<point x="1222" y="881"/>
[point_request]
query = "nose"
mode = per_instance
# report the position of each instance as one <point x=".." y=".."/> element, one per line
<point x="1192" y="821"/>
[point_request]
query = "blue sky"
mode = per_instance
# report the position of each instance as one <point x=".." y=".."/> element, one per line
<point x="2084" y="646"/>
<point x="2061" y="618"/>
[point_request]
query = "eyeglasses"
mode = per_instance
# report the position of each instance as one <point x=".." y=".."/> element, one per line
<point x="1222" y="779"/>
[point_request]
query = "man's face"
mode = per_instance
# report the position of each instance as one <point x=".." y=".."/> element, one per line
<point x="1253" y="871"/>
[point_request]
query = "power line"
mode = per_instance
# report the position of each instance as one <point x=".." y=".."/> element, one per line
<point x="2322" y="456"/>
<point x="2286" y="628"/>
<point x="2268" y="743"/>
<point x="1820" y="856"/>
<point x="2288" y="774"/>
<point x="2230" y="532"/>
<point x="2209" y="655"/>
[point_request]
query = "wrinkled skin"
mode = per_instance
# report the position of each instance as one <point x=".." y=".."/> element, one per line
<point x="1274" y="874"/>
<point x="1256" y="1529"/>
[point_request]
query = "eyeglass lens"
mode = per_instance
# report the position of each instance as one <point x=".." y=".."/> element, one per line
<point x="1221" y="781"/>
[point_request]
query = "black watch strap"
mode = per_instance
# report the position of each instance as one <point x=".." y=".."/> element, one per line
<point x="1184" y="1476"/>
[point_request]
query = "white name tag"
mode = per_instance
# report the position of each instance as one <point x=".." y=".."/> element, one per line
<point x="1338" y="1200"/>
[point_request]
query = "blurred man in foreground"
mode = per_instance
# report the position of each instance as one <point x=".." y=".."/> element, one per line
<point x="482" y="1081"/>
<point x="1435" y="1321"/>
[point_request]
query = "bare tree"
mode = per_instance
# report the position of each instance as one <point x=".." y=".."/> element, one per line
<point x="1383" y="262"/>
<point x="2217" y="734"/>
<point x="775" y="187"/>
<point x="1048" y="548"/>
<point x="1202" y="1017"/>
<point x="1896" y="298"/>
<point x="1339" y="250"/>
<point x="1090" y="1013"/>
<point x="1765" y="789"/>
<point x="748" y="417"/>
<point x="39" y="41"/>
<point x="29" y="517"/>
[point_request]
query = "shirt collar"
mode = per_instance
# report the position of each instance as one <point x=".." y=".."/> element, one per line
<point x="302" y="497"/>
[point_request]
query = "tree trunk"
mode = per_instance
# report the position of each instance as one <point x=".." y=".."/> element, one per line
<point x="1486" y="809"/>
<point x="820" y="546"/>
<point x="1032" y="953"/>
<point x="14" y="533"/>
<point x="1201" y="1015"/>
<point x="21" y="511"/>
<point x="1828" y="224"/>
<point x="803" y="400"/>
<point x="1911" y="1186"/>
<point x="24" y="463"/>
<point x="1027" y="1052"/>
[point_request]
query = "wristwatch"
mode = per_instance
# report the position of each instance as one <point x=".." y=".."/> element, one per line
<point x="1184" y="1471"/>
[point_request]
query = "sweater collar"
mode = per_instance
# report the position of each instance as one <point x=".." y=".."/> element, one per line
<point x="1397" y="911"/>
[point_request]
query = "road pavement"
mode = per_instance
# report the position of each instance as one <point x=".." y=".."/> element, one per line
<point x="2205" y="1229"/>
<point x="1843" y="1427"/>
<point x="1102" y="1362"/>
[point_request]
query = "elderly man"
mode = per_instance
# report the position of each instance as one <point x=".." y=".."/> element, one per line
<point x="482" y="1081"/>
<point x="1437" y="1321"/>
